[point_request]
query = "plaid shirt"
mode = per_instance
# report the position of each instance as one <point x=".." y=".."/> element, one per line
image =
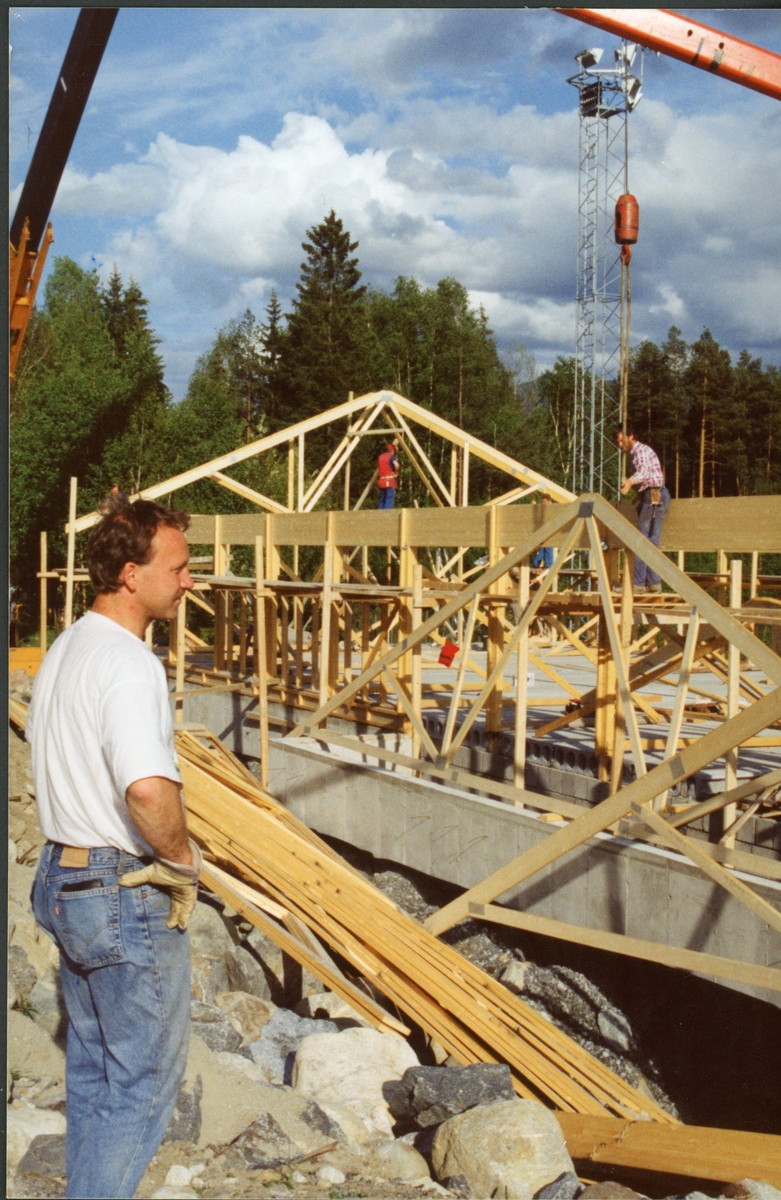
<point x="646" y="467"/>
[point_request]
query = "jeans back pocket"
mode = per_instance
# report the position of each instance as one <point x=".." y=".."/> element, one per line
<point x="87" y="923"/>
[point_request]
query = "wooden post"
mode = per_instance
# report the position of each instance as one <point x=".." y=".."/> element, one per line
<point x="301" y="472"/>
<point x="325" y="618"/>
<point x="43" y="618"/>
<point x="406" y="603"/>
<point x="272" y="569"/>
<point x="722" y="569"/>
<point x="465" y="477"/>
<point x="733" y="695"/>
<point x="347" y="485"/>
<point x="291" y="474"/>
<point x="416" y="688"/>
<point x="627" y="621"/>
<point x="180" y="622"/>
<point x="495" y="645"/>
<point x="219" y="556"/>
<point x="149" y="636"/>
<point x="260" y="659"/>
<point x="71" y="552"/>
<point x="753" y="586"/>
<point x="521" y="686"/>
<point x="454" y="475"/>
<point x="242" y="634"/>
<point x="603" y="698"/>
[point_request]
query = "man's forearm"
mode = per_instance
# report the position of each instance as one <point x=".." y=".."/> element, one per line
<point x="155" y="807"/>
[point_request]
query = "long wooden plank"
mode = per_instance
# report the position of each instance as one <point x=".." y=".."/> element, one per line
<point x="621" y="943"/>
<point x="723" y="1155"/>
<point x="713" y="745"/>
<point x="421" y="974"/>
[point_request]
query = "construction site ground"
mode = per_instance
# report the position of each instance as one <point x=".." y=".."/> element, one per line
<point x="571" y="988"/>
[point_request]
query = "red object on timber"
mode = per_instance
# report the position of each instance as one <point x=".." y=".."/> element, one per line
<point x="447" y="654"/>
<point x="627" y="221"/>
<point x="692" y="42"/>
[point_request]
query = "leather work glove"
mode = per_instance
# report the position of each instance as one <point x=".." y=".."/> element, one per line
<point x="179" y="880"/>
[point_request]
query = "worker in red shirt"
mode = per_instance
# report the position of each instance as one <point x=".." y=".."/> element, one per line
<point x="388" y="476"/>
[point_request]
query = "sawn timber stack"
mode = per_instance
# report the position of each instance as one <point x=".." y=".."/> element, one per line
<point x="475" y="1018"/>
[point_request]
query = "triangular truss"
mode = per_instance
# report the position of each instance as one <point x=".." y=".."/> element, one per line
<point x="363" y="414"/>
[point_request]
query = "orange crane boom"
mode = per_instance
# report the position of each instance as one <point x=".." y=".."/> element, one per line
<point x="691" y="42"/>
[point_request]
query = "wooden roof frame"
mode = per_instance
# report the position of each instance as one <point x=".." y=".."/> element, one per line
<point x="365" y="410"/>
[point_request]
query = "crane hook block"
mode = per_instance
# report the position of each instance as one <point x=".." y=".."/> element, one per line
<point x="627" y="222"/>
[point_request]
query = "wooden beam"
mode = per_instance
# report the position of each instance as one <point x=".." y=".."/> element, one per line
<point x="43" y="606"/>
<point x="621" y="943"/>
<point x="248" y="493"/>
<point x="750" y="788"/>
<point x="74" y="483"/>
<point x="689" y="846"/>
<point x="692" y="759"/>
<point x="723" y="1155"/>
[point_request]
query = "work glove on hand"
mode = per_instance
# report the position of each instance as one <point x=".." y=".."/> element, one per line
<point x="179" y="880"/>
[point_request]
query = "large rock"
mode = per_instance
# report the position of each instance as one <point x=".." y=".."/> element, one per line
<point x="213" y="1027"/>
<point x="431" y="1095"/>
<point x="43" y="1162"/>
<point x="354" y="1128"/>
<point x="398" y="1160"/>
<point x="350" y="1068"/>
<point x="247" y="1014"/>
<point x="275" y="1050"/>
<point x="216" y="1103"/>
<point x="23" y="1124"/>
<point x="32" y="1053"/>
<point x="509" y="1149"/>
<point x="282" y="1137"/>
<point x="48" y="1007"/>
<point x="41" y="952"/>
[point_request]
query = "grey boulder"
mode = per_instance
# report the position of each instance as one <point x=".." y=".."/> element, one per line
<point x="430" y="1095"/>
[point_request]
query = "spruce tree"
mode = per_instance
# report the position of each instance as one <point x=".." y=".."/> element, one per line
<point x="327" y="348"/>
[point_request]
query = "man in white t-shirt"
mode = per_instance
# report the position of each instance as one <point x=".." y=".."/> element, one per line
<point x="118" y="876"/>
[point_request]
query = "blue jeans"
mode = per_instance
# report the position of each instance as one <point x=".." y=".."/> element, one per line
<point x="543" y="557"/>
<point x="650" y="521"/>
<point x="387" y="496"/>
<point x="126" y="984"/>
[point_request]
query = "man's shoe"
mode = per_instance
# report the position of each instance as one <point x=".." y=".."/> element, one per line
<point x="653" y="587"/>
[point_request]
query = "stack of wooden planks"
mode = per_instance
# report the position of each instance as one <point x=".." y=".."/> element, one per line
<point x="475" y="1018"/>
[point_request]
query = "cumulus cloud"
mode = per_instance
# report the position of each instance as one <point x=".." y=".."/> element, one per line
<point x="447" y="142"/>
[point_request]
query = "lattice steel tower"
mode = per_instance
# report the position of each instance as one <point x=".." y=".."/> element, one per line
<point x="607" y="96"/>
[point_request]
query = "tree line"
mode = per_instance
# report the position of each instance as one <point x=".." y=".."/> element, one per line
<point x="89" y="398"/>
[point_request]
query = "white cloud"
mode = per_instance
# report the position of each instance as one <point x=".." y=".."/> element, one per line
<point x="673" y="304"/>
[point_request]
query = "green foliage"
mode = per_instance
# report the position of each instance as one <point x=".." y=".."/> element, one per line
<point x="89" y="401"/>
<point x="715" y="426"/>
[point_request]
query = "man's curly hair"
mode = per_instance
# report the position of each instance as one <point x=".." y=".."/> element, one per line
<point x="124" y="534"/>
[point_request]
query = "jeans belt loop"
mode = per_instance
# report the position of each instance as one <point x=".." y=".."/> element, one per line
<point x="121" y="864"/>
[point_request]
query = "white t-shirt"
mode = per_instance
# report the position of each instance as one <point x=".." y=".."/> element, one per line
<point x="99" y="719"/>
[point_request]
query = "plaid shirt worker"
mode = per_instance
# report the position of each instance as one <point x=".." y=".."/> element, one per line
<point x="646" y="467"/>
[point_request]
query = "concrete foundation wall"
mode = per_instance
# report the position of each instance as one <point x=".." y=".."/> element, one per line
<point x="608" y="884"/>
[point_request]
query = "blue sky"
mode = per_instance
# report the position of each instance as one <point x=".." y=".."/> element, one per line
<point x="447" y="141"/>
